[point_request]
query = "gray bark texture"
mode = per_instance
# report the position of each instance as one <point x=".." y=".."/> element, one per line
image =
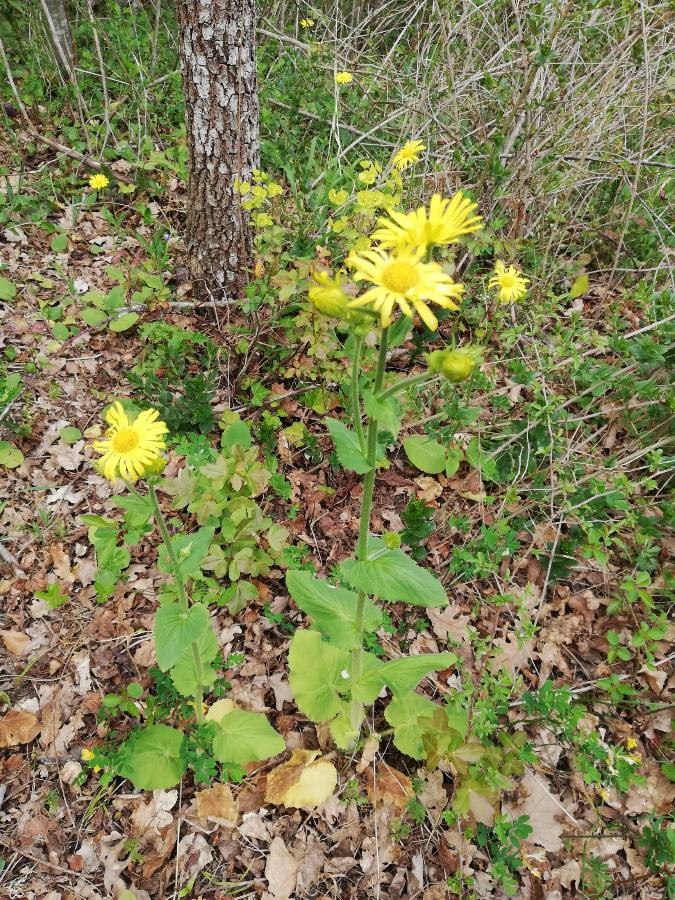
<point x="217" y="52"/>
<point x="58" y="28"/>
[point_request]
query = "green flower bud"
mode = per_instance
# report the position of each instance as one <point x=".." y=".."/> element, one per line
<point x="455" y="365"/>
<point x="327" y="296"/>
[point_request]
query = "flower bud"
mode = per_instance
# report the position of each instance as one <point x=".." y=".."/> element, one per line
<point x="326" y="295"/>
<point x="455" y="365"/>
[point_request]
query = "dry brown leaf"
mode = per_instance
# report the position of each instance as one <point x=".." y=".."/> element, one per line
<point x="513" y="656"/>
<point x="428" y="489"/>
<point x="388" y="785"/>
<point x="155" y="814"/>
<point x="217" y="804"/>
<point x="17" y="642"/>
<point x="369" y="753"/>
<point x="304" y="782"/>
<point x="656" y="795"/>
<point x="281" y="870"/>
<point x="18" y="726"/>
<point x="548" y="816"/>
<point x="448" y="623"/>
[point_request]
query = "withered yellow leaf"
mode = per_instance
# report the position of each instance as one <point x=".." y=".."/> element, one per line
<point x="303" y="782"/>
<point x="18" y="726"/>
<point x="218" y="804"/>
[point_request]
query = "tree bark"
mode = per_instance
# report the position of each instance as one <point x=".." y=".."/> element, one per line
<point x="217" y="52"/>
<point x="60" y="37"/>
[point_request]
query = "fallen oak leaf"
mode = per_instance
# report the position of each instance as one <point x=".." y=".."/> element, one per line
<point x="388" y="785"/>
<point x="18" y="726"/>
<point x="304" y="782"/>
<point x="217" y="804"/>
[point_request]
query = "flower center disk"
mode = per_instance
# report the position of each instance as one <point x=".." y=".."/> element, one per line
<point x="400" y="277"/>
<point x="125" y="440"/>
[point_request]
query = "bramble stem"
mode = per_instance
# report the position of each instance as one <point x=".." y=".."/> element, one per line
<point x="356" y="711"/>
<point x="182" y="598"/>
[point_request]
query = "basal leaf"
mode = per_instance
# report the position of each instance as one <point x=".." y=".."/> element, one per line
<point x="402" y="714"/>
<point x="319" y="674"/>
<point x="243" y="737"/>
<point x="426" y="455"/>
<point x="151" y="757"/>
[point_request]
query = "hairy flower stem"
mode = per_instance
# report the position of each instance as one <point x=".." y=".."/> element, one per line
<point x="356" y="711"/>
<point x="182" y="598"/>
<point x="356" y="402"/>
<point x="407" y="383"/>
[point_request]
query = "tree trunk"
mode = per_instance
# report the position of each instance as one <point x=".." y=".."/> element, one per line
<point x="60" y="37"/>
<point x="217" y="51"/>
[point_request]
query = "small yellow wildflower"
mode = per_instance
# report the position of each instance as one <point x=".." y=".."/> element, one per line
<point x="404" y="280"/>
<point x="343" y="77"/>
<point x="370" y="173"/>
<point x="631" y="743"/>
<point x="274" y="189"/>
<point x="86" y="755"/>
<point x="444" y="223"/>
<point x="339" y="225"/>
<point x="408" y="154"/>
<point x="130" y="447"/>
<point x="326" y="295"/>
<point x="511" y="284"/>
<point x="242" y="187"/>
<point x="338" y="197"/>
<point x="307" y="23"/>
<point x="98" y="182"/>
<point x="262" y="220"/>
<point x="604" y="794"/>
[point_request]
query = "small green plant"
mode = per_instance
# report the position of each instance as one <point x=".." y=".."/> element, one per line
<point x="156" y="754"/>
<point x="418" y="519"/>
<point x="502" y="843"/>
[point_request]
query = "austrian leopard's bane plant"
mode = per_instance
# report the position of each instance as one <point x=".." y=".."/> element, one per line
<point x="332" y="676"/>
<point x="157" y="755"/>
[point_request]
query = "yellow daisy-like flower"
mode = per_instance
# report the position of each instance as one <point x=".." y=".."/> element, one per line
<point x="130" y="447"/>
<point x="408" y="154"/>
<point x="307" y="23"/>
<point x="326" y="295"/>
<point x="402" y="279"/>
<point x="444" y="223"/>
<point x="343" y="77"/>
<point x="511" y="284"/>
<point x="98" y="182"/>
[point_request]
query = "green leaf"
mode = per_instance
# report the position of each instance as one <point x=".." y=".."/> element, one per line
<point x="7" y="289"/>
<point x="190" y="550"/>
<point x="236" y="433"/>
<point x="402" y="714"/>
<point x="151" y="757"/>
<point x="399" y="331"/>
<point x="90" y="315"/>
<point x="426" y="455"/>
<point x="10" y="456"/>
<point x="453" y="459"/>
<point x="317" y="675"/>
<point x="332" y="609"/>
<point x="386" y="412"/>
<point x="59" y="242"/>
<point x="243" y="737"/>
<point x="403" y="675"/>
<point x="477" y="457"/>
<point x="392" y="575"/>
<point x="579" y="288"/>
<point x="238" y="596"/>
<point x="347" y="447"/>
<point x="60" y="331"/>
<point x="175" y="630"/>
<point x="124" y="322"/>
<point x="70" y="434"/>
<point x="184" y="675"/>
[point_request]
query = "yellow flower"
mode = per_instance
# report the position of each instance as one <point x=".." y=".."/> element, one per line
<point x="274" y="189"/>
<point x="631" y="743"/>
<point x="98" y="182"/>
<point x="86" y="755"/>
<point x="338" y="197"/>
<point x="408" y="154"/>
<point x="307" y="23"/>
<point x="370" y="174"/>
<point x="327" y="295"/>
<point x="262" y="220"/>
<point x="511" y="284"/>
<point x="343" y="77"/>
<point x="445" y="222"/>
<point x="402" y="279"/>
<point x="242" y="187"/>
<point x="130" y="447"/>
<point x="455" y="365"/>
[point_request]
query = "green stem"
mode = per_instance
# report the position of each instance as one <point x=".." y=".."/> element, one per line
<point x="411" y="381"/>
<point x="182" y="598"/>
<point x="356" y="712"/>
<point x="354" y="388"/>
